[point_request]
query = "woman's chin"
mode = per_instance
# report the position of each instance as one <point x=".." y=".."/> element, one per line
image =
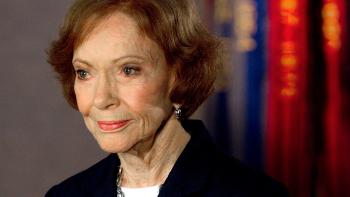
<point x="112" y="147"/>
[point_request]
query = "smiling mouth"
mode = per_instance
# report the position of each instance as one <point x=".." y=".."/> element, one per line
<point x="112" y="126"/>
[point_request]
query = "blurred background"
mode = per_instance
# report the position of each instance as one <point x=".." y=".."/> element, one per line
<point x="282" y="103"/>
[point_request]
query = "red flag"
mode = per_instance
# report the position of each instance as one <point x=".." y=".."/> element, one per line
<point x="336" y="170"/>
<point x="288" y="138"/>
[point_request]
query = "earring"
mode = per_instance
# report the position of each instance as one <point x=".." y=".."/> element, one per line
<point x="178" y="112"/>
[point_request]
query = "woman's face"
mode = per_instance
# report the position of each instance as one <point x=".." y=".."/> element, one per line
<point x="122" y="84"/>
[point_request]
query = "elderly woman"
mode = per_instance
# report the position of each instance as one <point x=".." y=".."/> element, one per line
<point x="136" y="70"/>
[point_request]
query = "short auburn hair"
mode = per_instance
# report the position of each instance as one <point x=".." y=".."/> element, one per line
<point x="173" y="24"/>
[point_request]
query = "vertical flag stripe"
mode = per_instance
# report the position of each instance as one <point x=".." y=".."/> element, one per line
<point x="287" y="136"/>
<point x="337" y="134"/>
<point x="255" y="83"/>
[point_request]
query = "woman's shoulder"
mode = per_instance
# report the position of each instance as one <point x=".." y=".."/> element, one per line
<point x="205" y="167"/>
<point x="204" y="170"/>
<point x="97" y="177"/>
<point x="232" y="176"/>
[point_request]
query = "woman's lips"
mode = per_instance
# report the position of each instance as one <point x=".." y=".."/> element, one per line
<point x="110" y="126"/>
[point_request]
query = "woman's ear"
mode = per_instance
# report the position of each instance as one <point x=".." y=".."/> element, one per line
<point x="176" y="105"/>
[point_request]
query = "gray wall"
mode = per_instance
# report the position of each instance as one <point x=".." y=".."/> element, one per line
<point x="42" y="140"/>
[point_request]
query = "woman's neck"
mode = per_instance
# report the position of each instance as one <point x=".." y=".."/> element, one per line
<point x="150" y="163"/>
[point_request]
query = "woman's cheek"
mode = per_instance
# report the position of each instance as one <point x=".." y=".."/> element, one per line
<point x="149" y="102"/>
<point x="141" y="97"/>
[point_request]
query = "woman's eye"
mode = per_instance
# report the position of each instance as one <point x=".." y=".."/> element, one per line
<point x="128" y="70"/>
<point x="82" y="74"/>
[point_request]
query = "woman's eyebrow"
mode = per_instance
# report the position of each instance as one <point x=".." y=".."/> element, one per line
<point x="127" y="57"/>
<point x="79" y="60"/>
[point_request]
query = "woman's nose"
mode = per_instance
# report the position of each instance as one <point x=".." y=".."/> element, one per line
<point x="105" y="94"/>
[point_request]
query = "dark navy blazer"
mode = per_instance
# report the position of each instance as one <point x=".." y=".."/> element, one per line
<point x="201" y="170"/>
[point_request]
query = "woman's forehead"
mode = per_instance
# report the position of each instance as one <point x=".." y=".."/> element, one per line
<point x="121" y="32"/>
